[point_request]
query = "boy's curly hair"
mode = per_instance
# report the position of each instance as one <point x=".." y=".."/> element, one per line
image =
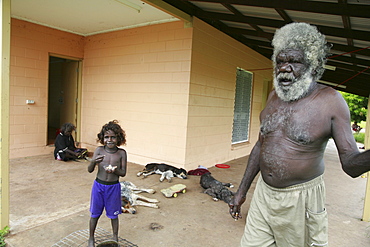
<point x="116" y="128"/>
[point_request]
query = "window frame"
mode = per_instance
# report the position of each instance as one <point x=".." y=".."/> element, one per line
<point x="244" y="97"/>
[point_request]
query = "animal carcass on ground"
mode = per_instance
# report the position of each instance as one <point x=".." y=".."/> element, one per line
<point x="131" y="198"/>
<point x="166" y="171"/>
<point x="215" y="188"/>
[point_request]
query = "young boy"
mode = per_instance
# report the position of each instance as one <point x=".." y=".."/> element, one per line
<point x="111" y="162"/>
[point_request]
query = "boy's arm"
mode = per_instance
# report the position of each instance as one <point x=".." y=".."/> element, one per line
<point x="97" y="158"/>
<point x="91" y="166"/>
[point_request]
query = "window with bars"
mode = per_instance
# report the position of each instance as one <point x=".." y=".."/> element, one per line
<point x="242" y="106"/>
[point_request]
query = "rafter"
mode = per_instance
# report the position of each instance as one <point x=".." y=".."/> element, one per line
<point x="357" y="10"/>
<point x="353" y="56"/>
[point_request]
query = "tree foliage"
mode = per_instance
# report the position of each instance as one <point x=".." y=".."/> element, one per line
<point x="3" y="234"/>
<point x="357" y="106"/>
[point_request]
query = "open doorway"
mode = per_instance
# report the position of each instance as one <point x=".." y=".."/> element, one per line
<point x="63" y="94"/>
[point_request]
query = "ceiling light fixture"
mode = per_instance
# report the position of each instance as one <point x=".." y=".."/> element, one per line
<point x="131" y="5"/>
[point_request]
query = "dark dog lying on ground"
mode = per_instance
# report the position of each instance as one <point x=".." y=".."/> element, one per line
<point x="166" y="171"/>
<point x="215" y="188"/>
<point x="131" y="198"/>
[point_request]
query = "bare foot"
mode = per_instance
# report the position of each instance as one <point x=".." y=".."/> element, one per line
<point x="115" y="238"/>
<point x="91" y="242"/>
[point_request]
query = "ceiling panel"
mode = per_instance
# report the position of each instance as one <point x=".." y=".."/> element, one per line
<point x="88" y="17"/>
<point x="214" y="7"/>
<point x="258" y="12"/>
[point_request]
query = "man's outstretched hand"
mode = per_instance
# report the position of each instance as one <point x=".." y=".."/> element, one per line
<point x="235" y="205"/>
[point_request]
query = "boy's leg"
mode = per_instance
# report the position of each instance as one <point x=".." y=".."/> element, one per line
<point x="113" y="201"/>
<point x="115" y="225"/>
<point x="96" y="209"/>
<point x="92" y="225"/>
<point x="113" y="206"/>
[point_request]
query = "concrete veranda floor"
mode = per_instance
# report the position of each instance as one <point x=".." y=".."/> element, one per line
<point x="50" y="199"/>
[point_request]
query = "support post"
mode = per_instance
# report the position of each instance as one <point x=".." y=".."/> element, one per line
<point x="4" y="116"/>
<point x="366" y="211"/>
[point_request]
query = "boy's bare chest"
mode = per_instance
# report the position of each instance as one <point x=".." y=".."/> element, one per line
<point x="110" y="158"/>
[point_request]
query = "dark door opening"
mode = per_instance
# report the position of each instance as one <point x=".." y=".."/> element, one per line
<point x="62" y="97"/>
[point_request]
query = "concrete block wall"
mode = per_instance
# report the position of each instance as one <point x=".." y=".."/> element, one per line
<point x="31" y="45"/>
<point x="215" y="59"/>
<point x="172" y="89"/>
<point x="141" y="78"/>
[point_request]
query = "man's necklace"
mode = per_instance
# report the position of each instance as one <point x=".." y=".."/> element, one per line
<point x="110" y="152"/>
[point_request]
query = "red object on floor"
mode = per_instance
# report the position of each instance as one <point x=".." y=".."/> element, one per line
<point x="222" y="166"/>
<point x="198" y="172"/>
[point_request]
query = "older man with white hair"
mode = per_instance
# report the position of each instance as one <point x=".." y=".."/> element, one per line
<point x="288" y="205"/>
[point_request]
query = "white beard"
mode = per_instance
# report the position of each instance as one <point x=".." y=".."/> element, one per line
<point x="297" y="90"/>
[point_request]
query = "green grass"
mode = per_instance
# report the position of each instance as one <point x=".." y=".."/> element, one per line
<point x="362" y="124"/>
<point x="359" y="137"/>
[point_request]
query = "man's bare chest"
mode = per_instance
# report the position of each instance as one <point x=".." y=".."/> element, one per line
<point x="295" y="123"/>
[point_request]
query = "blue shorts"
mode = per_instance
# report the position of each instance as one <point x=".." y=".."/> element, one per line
<point x="108" y="196"/>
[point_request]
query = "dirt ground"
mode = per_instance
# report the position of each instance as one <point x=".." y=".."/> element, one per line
<point x="50" y="200"/>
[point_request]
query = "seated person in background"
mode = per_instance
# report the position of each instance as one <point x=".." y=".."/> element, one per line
<point x="355" y="127"/>
<point x="65" y="148"/>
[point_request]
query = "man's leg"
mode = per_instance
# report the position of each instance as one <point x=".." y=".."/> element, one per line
<point x="298" y="214"/>
<point x="255" y="236"/>
<point x="257" y="231"/>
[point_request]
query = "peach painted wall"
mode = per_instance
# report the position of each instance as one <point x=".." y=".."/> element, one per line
<point x="140" y="77"/>
<point x="215" y="58"/>
<point x="172" y="89"/>
<point x="29" y="50"/>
